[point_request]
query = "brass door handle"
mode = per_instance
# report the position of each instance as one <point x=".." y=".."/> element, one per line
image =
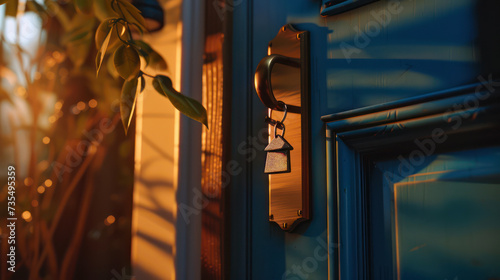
<point x="263" y="84"/>
<point x="290" y="49"/>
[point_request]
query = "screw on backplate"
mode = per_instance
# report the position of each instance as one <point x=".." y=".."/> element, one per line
<point x="271" y="217"/>
<point x="299" y="212"/>
<point x="285" y="225"/>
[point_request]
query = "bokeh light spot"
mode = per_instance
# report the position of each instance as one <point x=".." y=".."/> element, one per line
<point x="109" y="220"/>
<point x="48" y="183"/>
<point x="27" y="216"/>
<point x="92" y="103"/>
<point x="75" y="110"/>
<point x="28" y="181"/>
<point x="58" y="105"/>
<point x="81" y="105"/>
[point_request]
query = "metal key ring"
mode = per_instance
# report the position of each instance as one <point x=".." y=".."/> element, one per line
<point x="282" y="129"/>
<point x="284" y="106"/>
<point x="282" y="122"/>
<point x="273" y="122"/>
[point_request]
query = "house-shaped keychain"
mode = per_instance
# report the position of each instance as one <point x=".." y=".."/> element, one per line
<point x="278" y="156"/>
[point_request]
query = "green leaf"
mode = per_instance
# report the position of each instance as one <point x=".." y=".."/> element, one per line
<point x="84" y="6"/>
<point x="98" y="62"/>
<point x="127" y="62"/>
<point x="143" y="45"/>
<point x="111" y="69"/>
<point x="142" y="53"/>
<point x="80" y="27"/>
<point x="184" y="104"/>
<point x="11" y="8"/>
<point x="74" y="36"/>
<point x="153" y="59"/>
<point x="103" y="10"/>
<point x="127" y="101"/>
<point x="157" y="62"/>
<point x="104" y="30"/>
<point x="78" y="38"/>
<point x="131" y="14"/>
<point x="102" y="52"/>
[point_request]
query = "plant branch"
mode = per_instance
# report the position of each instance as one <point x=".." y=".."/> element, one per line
<point x="67" y="267"/>
<point x="60" y="209"/>
<point x="67" y="195"/>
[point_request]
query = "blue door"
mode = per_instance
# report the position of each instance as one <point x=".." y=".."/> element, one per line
<point x="442" y="219"/>
<point x="417" y="187"/>
<point x="405" y="153"/>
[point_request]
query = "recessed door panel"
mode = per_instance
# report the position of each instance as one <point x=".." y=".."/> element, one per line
<point x="417" y="191"/>
<point x="443" y="218"/>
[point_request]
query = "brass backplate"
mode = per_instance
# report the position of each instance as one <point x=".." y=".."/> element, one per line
<point x="289" y="193"/>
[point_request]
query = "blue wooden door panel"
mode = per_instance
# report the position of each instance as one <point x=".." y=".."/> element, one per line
<point x="446" y="216"/>
<point x="261" y="249"/>
<point x="359" y="58"/>
<point x="407" y="200"/>
<point x="381" y="52"/>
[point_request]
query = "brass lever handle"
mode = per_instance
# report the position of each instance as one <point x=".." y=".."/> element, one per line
<point x="263" y="84"/>
<point x="290" y="49"/>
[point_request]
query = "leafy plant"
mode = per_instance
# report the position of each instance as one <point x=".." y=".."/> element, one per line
<point x="121" y="24"/>
<point x="84" y="53"/>
<point x="116" y="33"/>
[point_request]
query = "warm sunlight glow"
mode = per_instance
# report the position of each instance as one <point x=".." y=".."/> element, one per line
<point x="21" y="91"/>
<point x="27" y="216"/>
<point x="46" y="140"/>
